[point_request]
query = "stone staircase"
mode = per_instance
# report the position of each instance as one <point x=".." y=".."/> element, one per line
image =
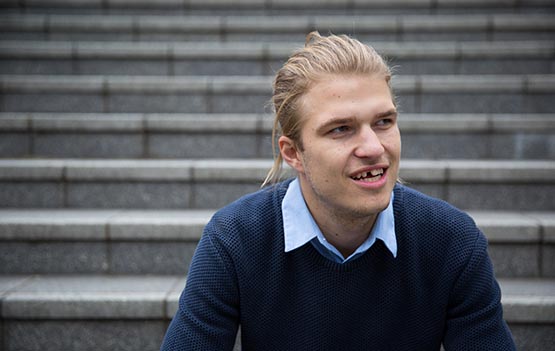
<point x="124" y="124"/>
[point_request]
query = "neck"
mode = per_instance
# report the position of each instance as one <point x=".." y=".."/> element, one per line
<point x="346" y="233"/>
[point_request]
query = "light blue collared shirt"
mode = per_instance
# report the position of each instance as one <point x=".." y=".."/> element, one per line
<point x="299" y="228"/>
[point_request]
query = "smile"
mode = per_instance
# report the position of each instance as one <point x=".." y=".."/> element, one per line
<point x="369" y="176"/>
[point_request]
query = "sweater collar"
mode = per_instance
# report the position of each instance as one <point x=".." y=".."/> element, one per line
<point x="300" y="228"/>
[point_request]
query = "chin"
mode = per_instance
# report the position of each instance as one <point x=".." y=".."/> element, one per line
<point x="371" y="207"/>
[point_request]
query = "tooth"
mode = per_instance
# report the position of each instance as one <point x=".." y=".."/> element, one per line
<point x="376" y="172"/>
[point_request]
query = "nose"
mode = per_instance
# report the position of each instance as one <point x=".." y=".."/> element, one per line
<point x="369" y="144"/>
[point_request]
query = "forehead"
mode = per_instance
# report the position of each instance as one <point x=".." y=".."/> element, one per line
<point x="346" y="95"/>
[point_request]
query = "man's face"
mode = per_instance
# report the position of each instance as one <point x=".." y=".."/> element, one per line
<point x="351" y="146"/>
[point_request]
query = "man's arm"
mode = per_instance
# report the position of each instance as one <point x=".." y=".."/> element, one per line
<point x="475" y="315"/>
<point x="207" y="318"/>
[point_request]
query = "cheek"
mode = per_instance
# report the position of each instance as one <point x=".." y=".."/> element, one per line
<point x="337" y="157"/>
<point x="321" y="166"/>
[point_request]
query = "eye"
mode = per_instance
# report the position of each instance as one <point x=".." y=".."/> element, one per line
<point x="340" y="129"/>
<point x="385" y="122"/>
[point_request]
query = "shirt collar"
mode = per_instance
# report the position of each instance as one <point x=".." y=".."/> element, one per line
<point x="299" y="226"/>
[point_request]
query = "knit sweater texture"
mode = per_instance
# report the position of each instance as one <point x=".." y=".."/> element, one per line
<point x="440" y="289"/>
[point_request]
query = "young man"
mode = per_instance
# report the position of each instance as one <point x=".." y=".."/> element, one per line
<point x="343" y="257"/>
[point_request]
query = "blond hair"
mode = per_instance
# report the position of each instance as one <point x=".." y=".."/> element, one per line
<point x="321" y="56"/>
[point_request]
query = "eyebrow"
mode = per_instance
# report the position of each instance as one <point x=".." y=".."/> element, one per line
<point x="349" y="119"/>
<point x="387" y="113"/>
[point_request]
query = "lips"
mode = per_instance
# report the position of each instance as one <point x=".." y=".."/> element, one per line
<point x="372" y="175"/>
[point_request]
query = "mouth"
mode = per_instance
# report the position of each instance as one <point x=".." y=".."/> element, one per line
<point x="369" y="176"/>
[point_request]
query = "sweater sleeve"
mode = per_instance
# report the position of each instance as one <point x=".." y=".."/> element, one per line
<point x="475" y="315"/>
<point x="207" y="317"/>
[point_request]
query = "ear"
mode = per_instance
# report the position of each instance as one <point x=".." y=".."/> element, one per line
<point x="290" y="153"/>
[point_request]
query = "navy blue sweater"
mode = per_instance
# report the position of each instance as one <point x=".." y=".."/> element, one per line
<point x="439" y="290"/>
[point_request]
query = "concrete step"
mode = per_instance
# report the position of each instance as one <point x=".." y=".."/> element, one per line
<point x="521" y="244"/>
<point x="202" y="184"/>
<point x="194" y="136"/>
<point x="272" y="7"/>
<point x="259" y="58"/>
<point x="243" y="94"/>
<point x="87" y="312"/>
<point x="132" y="312"/>
<point x="214" y="28"/>
<point x="99" y="241"/>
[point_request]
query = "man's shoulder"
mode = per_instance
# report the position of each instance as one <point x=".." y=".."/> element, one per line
<point x="436" y="231"/>
<point x="432" y="217"/>
<point x="250" y="229"/>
